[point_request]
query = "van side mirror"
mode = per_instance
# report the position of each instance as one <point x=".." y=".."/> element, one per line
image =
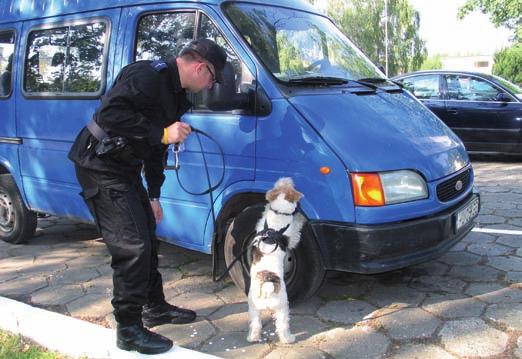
<point x="223" y="96"/>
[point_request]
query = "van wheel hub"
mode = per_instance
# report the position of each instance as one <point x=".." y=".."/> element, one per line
<point x="6" y="213"/>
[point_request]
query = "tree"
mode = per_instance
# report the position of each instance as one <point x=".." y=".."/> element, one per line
<point x="432" y="63"/>
<point x="501" y="12"/>
<point x="363" y="22"/>
<point x="508" y="64"/>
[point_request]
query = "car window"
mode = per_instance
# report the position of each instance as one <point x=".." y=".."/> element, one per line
<point x="423" y="87"/>
<point x="66" y="60"/>
<point x="6" y="61"/>
<point x="470" y="88"/>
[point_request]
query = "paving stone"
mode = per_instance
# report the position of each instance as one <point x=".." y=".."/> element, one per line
<point x="90" y="305"/>
<point x="518" y="351"/>
<point x="489" y="219"/>
<point x="512" y="241"/>
<point x="331" y="291"/>
<point x="409" y="323"/>
<point x="43" y="269"/>
<point x="203" y="267"/>
<point x="235" y="345"/>
<point x="489" y="249"/>
<point x="307" y="307"/>
<point x="231" y="318"/>
<point x="475" y="273"/>
<point x="393" y="296"/>
<point x="494" y="293"/>
<point x="28" y="249"/>
<point x="459" y="247"/>
<point x="302" y="326"/>
<point x="356" y="343"/>
<point x="507" y="315"/>
<point x="22" y="286"/>
<point x="100" y="285"/>
<point x="57" y="295"/>
<point x="74" y="276"/>
<point x="473" y="338"/>
<point x="8" y="275"/>
<point x="296" y="353"/>
<point x="422" y="351"/>
<point x="169" y="274"/>
<point x="452" y="306"/>
<point x="89" y="261"/>
<point x="194" y="284"/>
<point x="437" y="284"/>
<point x="460" y="258"/>
<point x="190" y="335"/>
<point x="203" y="303"/>
<point x="479" y="238"/>
<point x="345" y="311"/>
<point x="514" y="277"/>
<point x="515" y="222"/>
<point x="519" y="252"/>
<point x="429" y="268"/>
<point x="507" y="264"/>
<point x="232" y="294"/>
<point x="15" y="263"/>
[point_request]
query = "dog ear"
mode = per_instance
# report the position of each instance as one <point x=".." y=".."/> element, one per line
<point x="272" y="194"/>
<point x="293" y="195"/>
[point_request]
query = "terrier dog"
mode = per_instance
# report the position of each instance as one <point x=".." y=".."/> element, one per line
<point x="278" y="230"/>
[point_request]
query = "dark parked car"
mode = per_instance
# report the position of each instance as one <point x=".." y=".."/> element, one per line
<point x="485" y="111"/>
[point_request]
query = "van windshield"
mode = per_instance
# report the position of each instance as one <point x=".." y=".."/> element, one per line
<point x="295" y="45"/>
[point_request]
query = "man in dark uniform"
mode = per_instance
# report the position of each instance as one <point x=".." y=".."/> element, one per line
<point x="130" y="132"/>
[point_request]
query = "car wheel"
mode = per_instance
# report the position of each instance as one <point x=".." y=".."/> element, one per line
<point x="304" y="272"/>
<point x="17" y="223"/>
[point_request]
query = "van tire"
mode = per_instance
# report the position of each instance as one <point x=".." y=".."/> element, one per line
<point x="17" y="223"/>
<point x="306" y="274"/>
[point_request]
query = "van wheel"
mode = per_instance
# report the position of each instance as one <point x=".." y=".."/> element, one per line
<point x="304" y="272"/>
<point x="17" y="223"/>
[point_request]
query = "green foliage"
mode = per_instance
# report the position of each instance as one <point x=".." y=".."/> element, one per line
<point x="15" y="347"/>
<point x="432" y="63"/>
<point x="508" y="64"/>
<point x="501" y="12"/>
<point x="363" y="22"/>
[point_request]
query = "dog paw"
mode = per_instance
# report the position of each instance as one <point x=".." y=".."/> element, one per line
<point x="287" y="339"/>
<point x="253" y="338"/>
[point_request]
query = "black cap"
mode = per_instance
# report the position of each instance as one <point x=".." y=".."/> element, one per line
<point x="211" y="52"/>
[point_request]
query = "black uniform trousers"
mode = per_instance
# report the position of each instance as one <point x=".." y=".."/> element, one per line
<point x="124" y="217"/>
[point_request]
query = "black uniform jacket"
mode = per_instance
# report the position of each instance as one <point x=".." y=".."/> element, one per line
<point x="141" y="103"/>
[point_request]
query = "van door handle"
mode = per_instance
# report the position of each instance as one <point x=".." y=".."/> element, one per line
<point x="453" y="111"/>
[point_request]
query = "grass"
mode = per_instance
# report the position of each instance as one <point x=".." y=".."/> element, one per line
<point x="17" y="347"/>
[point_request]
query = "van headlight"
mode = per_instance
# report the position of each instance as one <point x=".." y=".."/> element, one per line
<point x="383" y="188"/>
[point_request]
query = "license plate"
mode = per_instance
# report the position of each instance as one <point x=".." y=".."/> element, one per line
<point x="467" y="214"/>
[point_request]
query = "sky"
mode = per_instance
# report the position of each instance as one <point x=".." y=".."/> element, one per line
<point x="445" y="34"/>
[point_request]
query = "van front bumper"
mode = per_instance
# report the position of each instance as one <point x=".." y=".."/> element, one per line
<point x="382" y="248"/>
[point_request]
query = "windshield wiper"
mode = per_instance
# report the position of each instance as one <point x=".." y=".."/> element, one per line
<point x="379" y="80"/>
<point x="318" y="80"/>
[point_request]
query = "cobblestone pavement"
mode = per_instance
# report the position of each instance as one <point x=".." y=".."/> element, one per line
<point x="466" y="304"/>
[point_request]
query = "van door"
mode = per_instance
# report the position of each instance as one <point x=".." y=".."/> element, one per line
<point x="65" y="68"/>
<point x="8" y="35"/>
<point x="159" y="32"/>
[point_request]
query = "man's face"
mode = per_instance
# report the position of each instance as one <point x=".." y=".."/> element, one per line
<point x="204" y="77"/>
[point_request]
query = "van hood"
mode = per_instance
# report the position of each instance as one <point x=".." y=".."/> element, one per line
<point x="382" y="132"/>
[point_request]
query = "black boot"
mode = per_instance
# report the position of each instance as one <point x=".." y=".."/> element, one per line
<point x="136" y="337"/>
<point x="166" y="313"/>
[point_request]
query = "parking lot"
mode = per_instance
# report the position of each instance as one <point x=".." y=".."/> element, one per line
<point x="466" y="304"/>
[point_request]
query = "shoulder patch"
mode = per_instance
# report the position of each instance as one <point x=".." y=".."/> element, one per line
<point x="158" y="65"/>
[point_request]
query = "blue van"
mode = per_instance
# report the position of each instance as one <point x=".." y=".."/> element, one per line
<point x="386" y="183"/>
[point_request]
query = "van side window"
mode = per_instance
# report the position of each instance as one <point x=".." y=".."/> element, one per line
<point x="6" y="61"/>
<point x="161" y="36"/>
<point x="65" y="60"/>
<point x="244" y="80"/>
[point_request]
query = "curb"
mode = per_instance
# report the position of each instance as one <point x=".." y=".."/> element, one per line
<point x="71" y="336"/>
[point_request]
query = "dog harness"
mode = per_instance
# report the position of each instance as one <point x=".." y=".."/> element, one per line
<point x="271" y="236"/>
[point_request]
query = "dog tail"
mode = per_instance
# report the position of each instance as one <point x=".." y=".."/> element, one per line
<point x="266" y="290"/>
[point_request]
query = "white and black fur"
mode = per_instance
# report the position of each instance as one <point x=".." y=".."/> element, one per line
<point x="282" y="221"/>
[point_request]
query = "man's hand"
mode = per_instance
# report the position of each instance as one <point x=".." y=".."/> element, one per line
<point x="177" y="132"/>
<point x="157" y="210"/>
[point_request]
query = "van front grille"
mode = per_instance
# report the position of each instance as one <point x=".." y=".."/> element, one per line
<point x="452" y="188"/>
